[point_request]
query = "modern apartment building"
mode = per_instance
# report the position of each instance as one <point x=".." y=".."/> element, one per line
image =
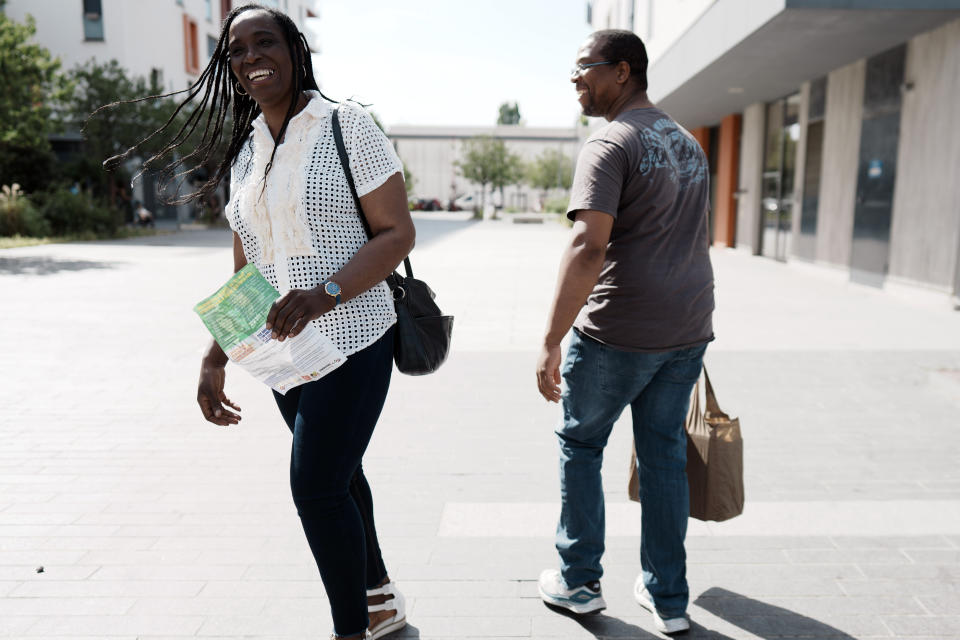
<point x="170" y="40"/>
<point x="830" y="126"/>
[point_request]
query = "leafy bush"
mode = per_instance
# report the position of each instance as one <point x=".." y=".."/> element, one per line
<point x="18" y="216"/>
<point x="556" y="205"/>
<point x="73" y="213"/>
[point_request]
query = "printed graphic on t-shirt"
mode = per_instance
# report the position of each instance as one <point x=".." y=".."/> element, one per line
<point x="668" y="146"/>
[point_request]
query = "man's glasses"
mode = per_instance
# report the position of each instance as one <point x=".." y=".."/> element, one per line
<point x="581" y="67"/>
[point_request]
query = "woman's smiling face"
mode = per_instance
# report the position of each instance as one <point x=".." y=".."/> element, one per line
<point x="260" y="59"/>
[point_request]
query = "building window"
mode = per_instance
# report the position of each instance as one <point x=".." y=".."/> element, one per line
<point x="190" y="46"/>
<point x="92" y="20"/>
<point x="209" y="8"/>
<point x="211" y="46"/>
<point x="225" y="7"/>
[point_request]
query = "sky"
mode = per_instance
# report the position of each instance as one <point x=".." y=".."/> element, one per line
<point x="452" y="62"/>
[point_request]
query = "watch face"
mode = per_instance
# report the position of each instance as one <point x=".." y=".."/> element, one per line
<point x="332" y="288"/>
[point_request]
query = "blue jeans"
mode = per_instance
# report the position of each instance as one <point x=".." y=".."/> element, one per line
<point x="600" y="382"/>
<point x="332" y="420"/>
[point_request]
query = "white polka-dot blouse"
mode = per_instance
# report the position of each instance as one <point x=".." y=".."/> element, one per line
<point x="303" y="226"/>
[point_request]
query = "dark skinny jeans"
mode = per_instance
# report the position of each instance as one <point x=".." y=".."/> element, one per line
<point x="332" y="420"/>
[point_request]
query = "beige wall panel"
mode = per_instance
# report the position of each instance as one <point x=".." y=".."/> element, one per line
<point x="750" y="181"/>
<point x="801" y="161"/>
<point x="841" y="151"/>
<point x="926" y="200"/>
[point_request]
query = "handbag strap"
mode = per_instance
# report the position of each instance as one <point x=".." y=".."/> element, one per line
<point x="713" y="409"/>
<point x="345" y="163"/>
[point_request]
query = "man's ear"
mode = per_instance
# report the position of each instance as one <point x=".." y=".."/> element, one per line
<point x="623" y="72"/>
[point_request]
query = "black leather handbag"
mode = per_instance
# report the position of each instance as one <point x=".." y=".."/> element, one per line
<point x="422" y="338"/>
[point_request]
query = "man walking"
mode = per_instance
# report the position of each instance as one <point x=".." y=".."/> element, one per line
<point x="636" y="285"/>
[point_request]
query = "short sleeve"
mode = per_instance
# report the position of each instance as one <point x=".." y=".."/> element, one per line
<point x="372" y="156"/>
<point x="599" y="178"/>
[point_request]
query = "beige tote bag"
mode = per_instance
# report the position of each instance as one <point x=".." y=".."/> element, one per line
<point x="714" y="460"/>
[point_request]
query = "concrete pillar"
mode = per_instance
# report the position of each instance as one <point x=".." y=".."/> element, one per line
<point x="841" y="153"/>
<point x="925" y="229"/>
<point x="750" y="177"/>
<point x="800" y="163"/>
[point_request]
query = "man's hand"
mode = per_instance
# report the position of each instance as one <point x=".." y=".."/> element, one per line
<point x="548" y="372"/>
<point x="291" y="313"/>
<point x="211" y="398"/>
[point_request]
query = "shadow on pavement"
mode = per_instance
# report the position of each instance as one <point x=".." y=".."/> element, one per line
<point x="604" y="626"/>
<point x="408" y="631"/>
<point x="764" y="620"/>
<point x="758" y="618"/>
<point x="45" y="266"/>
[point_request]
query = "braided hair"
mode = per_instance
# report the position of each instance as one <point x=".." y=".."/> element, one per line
<point x="215" y="86"/>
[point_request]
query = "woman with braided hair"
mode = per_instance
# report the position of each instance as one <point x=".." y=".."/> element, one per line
<point x="294" y="217"/>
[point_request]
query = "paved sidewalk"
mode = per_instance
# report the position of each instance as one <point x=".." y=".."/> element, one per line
<point x="150" y="523"/>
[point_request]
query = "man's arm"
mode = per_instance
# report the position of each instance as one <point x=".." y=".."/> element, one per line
<point x="579" y="270"/>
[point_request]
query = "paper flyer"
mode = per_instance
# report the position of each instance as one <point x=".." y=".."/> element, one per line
<point x="236" y="315"/>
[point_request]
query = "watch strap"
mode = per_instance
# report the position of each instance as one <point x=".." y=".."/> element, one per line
<point x="335" y="296"/>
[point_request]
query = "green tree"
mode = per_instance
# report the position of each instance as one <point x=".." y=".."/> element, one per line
<point x="113" y="130"/>
<point x="550" y="170"/>
<point x="511" y="172"/>
<point x="30" y="84"/>
<point x="487" y="161"/>
<point x="509" y="113"/>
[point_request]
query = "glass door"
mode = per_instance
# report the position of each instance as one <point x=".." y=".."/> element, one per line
<point x="879" y="140"/>
<point x="783" y="132"/>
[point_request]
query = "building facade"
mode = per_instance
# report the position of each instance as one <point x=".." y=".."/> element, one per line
<point x="431" y="155"/>
<point x="168" y="40"/>
<point x="829" y="124"/>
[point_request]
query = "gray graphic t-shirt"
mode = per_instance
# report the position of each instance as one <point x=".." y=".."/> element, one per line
<point x="655" y="291"/>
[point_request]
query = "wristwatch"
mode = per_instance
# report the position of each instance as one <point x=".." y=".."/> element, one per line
<point x="333" y="290"/>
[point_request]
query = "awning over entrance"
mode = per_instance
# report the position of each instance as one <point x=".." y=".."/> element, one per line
<point x="745" y="51"/>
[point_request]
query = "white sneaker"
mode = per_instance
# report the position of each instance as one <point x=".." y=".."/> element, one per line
<point x="668" y="626"/>
<point x="583" y="599"/>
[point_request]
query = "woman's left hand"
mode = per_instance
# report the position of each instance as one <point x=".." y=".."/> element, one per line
<point x="292" y="311"/>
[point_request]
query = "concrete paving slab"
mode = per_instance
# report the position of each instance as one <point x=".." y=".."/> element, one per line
<point x="112" y="482"/>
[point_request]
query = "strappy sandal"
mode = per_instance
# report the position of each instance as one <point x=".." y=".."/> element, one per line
<point x="394" y="602"/>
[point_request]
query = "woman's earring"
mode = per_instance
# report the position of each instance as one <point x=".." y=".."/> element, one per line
<point x="239" y="89"/>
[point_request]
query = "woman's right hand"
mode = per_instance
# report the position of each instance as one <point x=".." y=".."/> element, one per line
<point x="210" y="395"/>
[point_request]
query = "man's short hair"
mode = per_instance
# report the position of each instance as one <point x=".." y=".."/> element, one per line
<point x="619" y="44"/>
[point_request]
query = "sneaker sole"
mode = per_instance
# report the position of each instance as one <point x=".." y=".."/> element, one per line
<point x="596" y="606"/>
<point x="673" y="633"/>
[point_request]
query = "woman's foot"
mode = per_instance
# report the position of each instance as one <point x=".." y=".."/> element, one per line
<point x="386" y="609"/>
